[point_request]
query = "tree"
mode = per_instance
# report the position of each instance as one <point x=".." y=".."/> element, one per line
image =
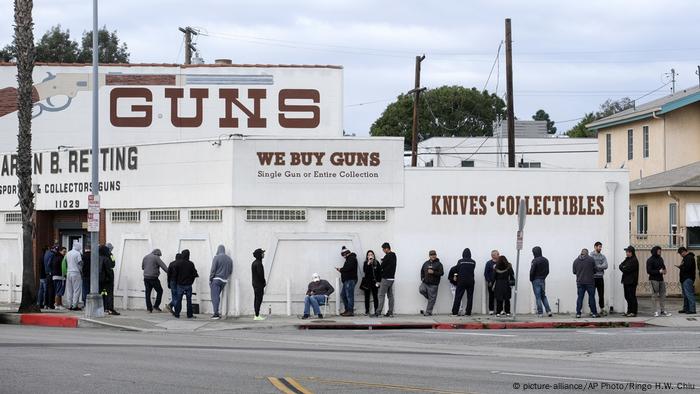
<point x="541" y="115"/>
<point x="25" y="51"/>
<point x="443" y="111"/>
<point x="108" y="44"/>
<point x="7" y="53"/>
<point x="607" y="108"/>
<point x="55" y="46"/>
<point x="580" y="130"/>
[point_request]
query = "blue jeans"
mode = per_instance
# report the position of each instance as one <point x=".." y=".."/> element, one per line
<point x="688" y="296"/>
<point x="41" y="295"/>
<point x="583" y="289"/>
<point x="216" y="287"/>
<point x="314" y="301"/>
<point x="187" y="291"/>
<point x="173" y="293"/>
<point x="348" y="295"/>
<point x="540" y="296"/>
<point x="86" y="289"/>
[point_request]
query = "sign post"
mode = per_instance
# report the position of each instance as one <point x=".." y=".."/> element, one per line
<point x="522" y="212"/>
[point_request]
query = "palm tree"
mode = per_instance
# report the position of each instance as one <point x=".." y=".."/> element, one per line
<point x="24" y="44"/>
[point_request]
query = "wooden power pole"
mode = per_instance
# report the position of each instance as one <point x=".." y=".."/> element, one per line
<point x="189" y="47"/>
<point x="509" y="96"/>
<point x="416" y="95"/>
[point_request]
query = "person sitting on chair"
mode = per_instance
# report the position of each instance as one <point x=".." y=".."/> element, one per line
<point x="316" y="295"/>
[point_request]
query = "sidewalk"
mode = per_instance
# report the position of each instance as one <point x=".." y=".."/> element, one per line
<point x="140" y="320"/>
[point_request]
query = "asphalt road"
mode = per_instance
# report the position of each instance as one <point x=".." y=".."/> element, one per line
<point x="52" y="360"/>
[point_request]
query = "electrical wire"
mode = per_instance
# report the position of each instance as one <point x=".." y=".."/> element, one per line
<point x="495" y="61"/>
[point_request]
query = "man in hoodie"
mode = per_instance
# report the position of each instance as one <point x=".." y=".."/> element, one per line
<point x="687" y="279"/>
<point x="465" y="283"/>
<point x="172" y="283"/>
<point x="386" y="287"/>
<point x="106" y="281"/>
<point x="348" y="275"/>
<point x="50" y="293"/>
<point x="185" y="274"/>
<point x="151" y="266"/>
<point x="656" y="268"/>
<point x="316" y="294"/>
<point x="489" y="277"/>
<point x="601" y="264"/>
<point x="221" y="269"/>
<point x="59" y="281"/>
<point x="74" y="278"/>
<point x="259" y="282"/>
<point x="584" y="267"/>
<point x="539" y="269"/>
<point x="630" y="278"/>
<point x="430" y="275"/>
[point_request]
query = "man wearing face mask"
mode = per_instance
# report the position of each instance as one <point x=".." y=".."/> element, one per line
<point x="316" y="295"/>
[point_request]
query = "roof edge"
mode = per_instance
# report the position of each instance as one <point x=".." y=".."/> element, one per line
<point x="7" y="64"/>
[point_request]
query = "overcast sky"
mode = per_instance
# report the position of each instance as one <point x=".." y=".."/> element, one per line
<point x="568" y="56"/>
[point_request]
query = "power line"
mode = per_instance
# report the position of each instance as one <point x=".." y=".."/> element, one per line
<point x="495" y="61"/>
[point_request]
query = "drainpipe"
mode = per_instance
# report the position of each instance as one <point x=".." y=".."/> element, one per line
<point x="678" y="211"/>
<point x="611" y="187"/>
<point x="653" y="115"/>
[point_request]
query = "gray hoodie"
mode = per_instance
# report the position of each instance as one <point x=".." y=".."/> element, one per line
<point x="221" y="266"/>
<point x="584" y="268"/>
<point x="601" y="264"/>
<point x="151" y="264"/>
<point x="74" y="259"/>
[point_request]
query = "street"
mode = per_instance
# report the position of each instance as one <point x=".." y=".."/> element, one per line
<point x="39" y="360"/>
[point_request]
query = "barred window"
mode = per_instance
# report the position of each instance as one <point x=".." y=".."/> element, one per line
<point x="356" y="215"/>
<point x="205" y="215"/>
<point x="125" y="216"/>
<point x="275" y="215"/>
<point x="13" y="217"/>
<point x="164" y="215"/>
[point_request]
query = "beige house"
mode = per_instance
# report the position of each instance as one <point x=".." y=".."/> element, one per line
<point x="659" y="142"/>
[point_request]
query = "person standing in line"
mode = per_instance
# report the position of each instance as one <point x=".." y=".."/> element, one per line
<point x="86" y="273"/>
<point x="74" y="278"/>
<point x="430" y="275"/>
<point x="386" y="287"/>
<point x="151" y="266"/>
<point x="221" y="269"/>
<point x="465" y="283"/>
<point x="172" y="283"/>
<point x="630" y="278"/>
<point x="58" y="278"/>
<point x="452" y="278"/>
<point x="371" y="280"/>
<point x="656" y="268"/>
<point x="348" y="276"/>
<point x="49" y="300"/>
<point x="504" y="280"/>
<point x="41" y="293"/>
<point x="316" y="295"/>
<point x="259" y="282"/>
<point x="584" y="267"/>
<point x="601" y="264"/>
<point x="107" y="279"/>
<point x="489" y="277"/>
<point x="687" y="279"/>
<point x="185" y="274"/>
<point x="539" y="270"/>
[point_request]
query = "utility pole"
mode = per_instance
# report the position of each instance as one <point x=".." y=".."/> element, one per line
<point x="673" y="80"/>
<point x="189" y="47"/>
<point x="416" y="95"/>
<point x="509" y="96"/>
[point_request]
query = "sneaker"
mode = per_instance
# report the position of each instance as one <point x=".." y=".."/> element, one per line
<point x="491" y="313"/>
<point x="593" y="315"/>
<point x="258" y="318"/>
<point x="77" y="308"/>
<point x="682" y="311"/>
<point x="631" y="315"/>
<point x="502" y="313"/>
<point x="578" y="315"/>
<point x="540" y="315"/>
<point x="428" y="314"/>
<point x="389" y="315"/>
<point x="422" y="312"/>
<point x="216" y="317"/>
<point x="115" y="313"/>
<point x="507" y="314"/>
<point x="320" y="315"/>
<point x="665" y="313"/>
<point x="157" y="309"/>
<point x="304" y="317"/>
<point x="656" y="314"/>
<point x="549" y="314"/>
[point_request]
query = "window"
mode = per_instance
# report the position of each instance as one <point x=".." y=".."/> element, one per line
<point x="608" y="148"/>
<point x="531" y="164"/>
<point x="205" y="215"/>
<point x="169" y="215"/>
<point x="642" y="220"/>
<point x="692" y="222"/>
<point x="672" y="224"/>
<point x="356" y="215"/>
<point x="125" y="216"/>
<point x="13" y="218"/>
<point x="693" y="237"/>
<point x="630" y="144"/>
<point x="467" y="163"/>
<point x="275" y="215"/>
<point x="645" y="141"/>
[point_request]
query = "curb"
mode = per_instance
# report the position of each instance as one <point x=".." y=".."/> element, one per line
<point x="471" y="325"/>
<point x="39" y="319"/>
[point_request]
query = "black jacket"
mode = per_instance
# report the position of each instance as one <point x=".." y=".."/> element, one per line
<point x="465" y="269"/>
<point x="106" y="267"/>
<point x="540" y="265"/>
<point x="258" y="273"/>
<point x="184" y="270"/>
<point x="373" y="272"/>
<point x="349" y="269"/>
<point x="654" y="264"/>
<point x="86" y="265"/>
<point x="503" y="276"/>
<point x="322" y="287"/>
<point x="687" y="267"/>
<point x="56" y="264"/>
<point x="434" y="278"/>
<point x="389" y="266"/>
<point x="630" y="271"/>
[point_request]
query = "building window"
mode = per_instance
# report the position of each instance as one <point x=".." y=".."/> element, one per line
<point x="467" y="163"/>
<point x="356" y="215"/>
<point x="13" y="217"/>
<point x="645" y="141"/>
<point x="125" y="216"/>
<point x="531" y="164"/>
<point x="642" y="220"/>
<point x="275" y="215"/>
<point x="164" y="215"/>
<point x="630" y="144"/>
<point x="693" y="237"/>
<point x="205" y="215"/>
<point x="608" y="148"/>
<point x="672" y="224"/>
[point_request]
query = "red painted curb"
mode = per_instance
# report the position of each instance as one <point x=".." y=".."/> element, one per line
<point x="48" y="320"/>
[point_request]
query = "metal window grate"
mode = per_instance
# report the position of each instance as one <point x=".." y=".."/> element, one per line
<point x="356" y="215"/>
<point x="164" y="215"/>
<point x="275" y="215"/>
<point x="205" y="215"/>
<point x="13" y="217"/>
<point x="125" y="216"/>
